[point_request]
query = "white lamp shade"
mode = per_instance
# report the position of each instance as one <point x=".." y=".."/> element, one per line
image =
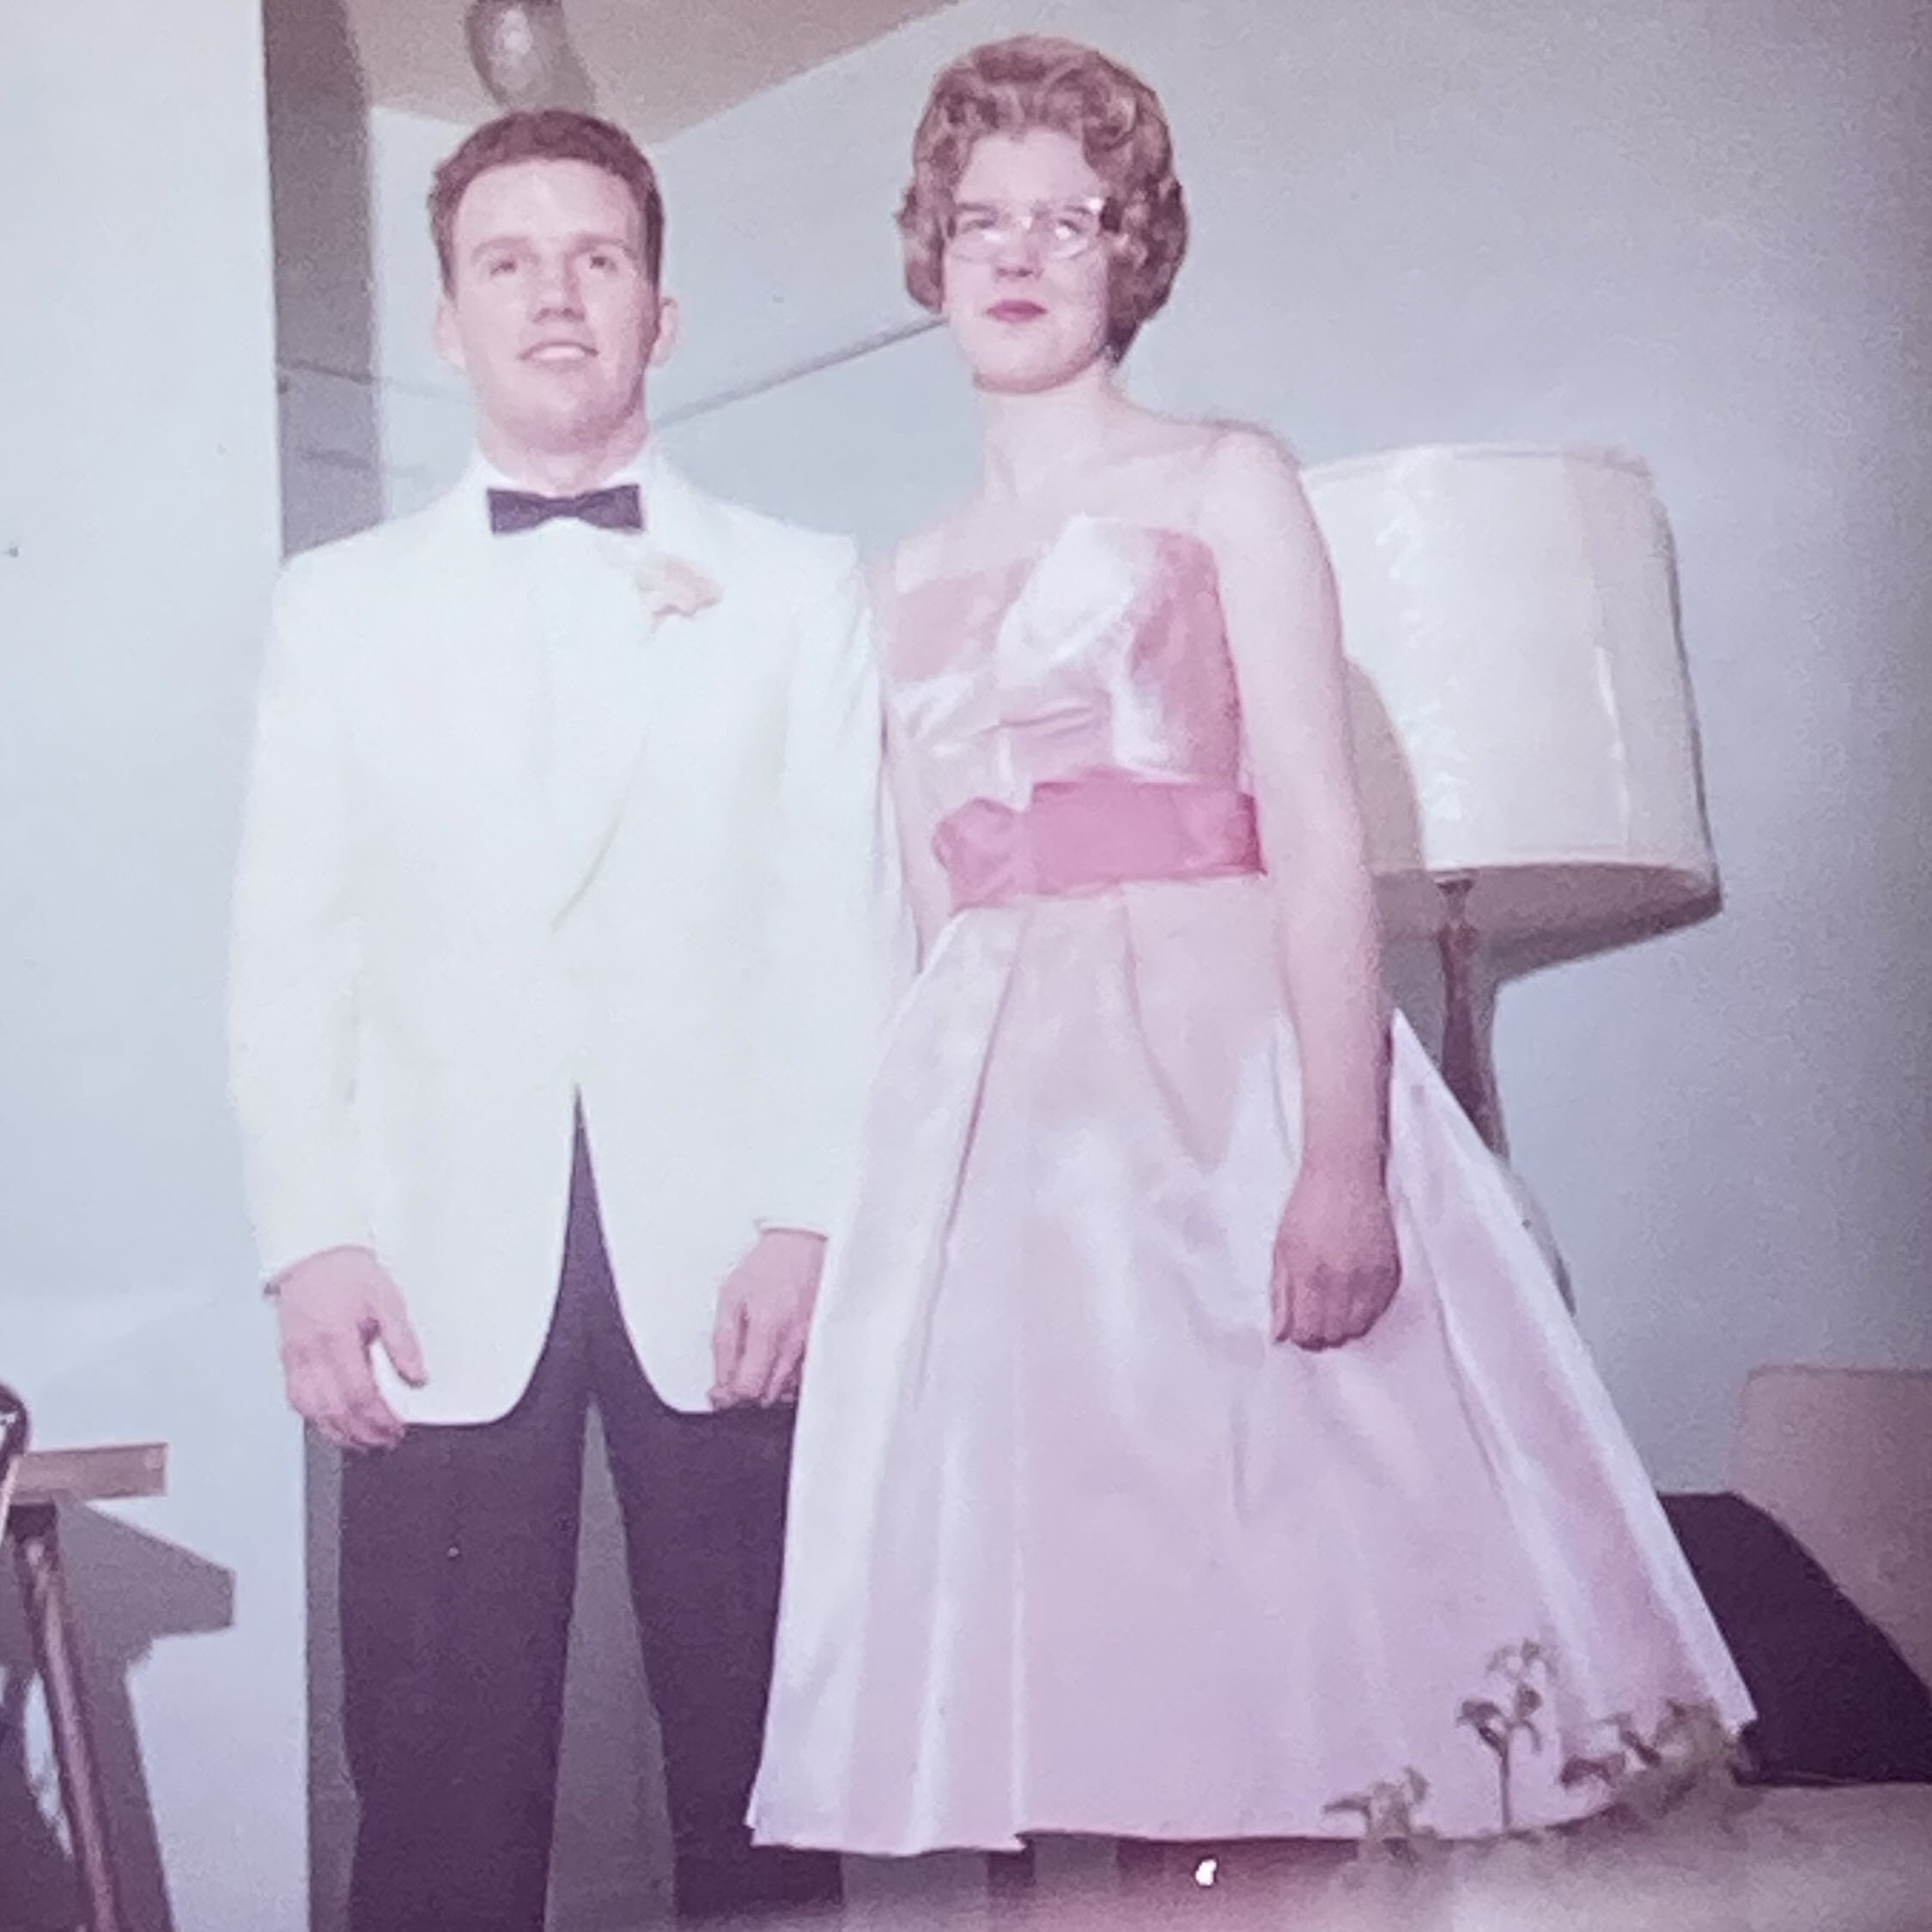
<point x="1522" y="712"/>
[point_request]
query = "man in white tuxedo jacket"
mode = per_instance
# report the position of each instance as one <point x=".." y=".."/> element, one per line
<point x="567" y="925"/>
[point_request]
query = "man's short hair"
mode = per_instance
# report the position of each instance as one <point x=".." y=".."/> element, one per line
<point x="547" y="134"/>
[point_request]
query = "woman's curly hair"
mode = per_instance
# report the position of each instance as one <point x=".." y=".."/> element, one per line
<point x="1012" y="88"/>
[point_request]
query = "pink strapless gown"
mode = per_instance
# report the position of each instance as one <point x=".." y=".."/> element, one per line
<point x="1074" y="1544"/>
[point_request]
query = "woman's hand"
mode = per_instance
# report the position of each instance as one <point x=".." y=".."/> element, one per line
<point x="1336" y="1267"/>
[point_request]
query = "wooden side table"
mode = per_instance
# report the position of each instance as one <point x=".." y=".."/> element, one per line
<point x="44" y="1480"/>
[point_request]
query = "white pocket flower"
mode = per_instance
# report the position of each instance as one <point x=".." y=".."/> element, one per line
<point x="670" y="586"/>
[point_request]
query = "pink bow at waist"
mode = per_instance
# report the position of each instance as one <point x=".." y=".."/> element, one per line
<point x="1087" y="834"/>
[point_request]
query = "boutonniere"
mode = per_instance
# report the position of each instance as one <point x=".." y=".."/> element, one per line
<point x="670" y="586"/>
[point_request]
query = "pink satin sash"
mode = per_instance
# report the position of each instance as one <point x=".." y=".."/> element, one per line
<point x="1087" y="834"/>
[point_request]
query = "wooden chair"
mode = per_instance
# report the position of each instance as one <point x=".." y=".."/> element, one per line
<point x="13" y="1446"/>
<point x="33" y="1487"/>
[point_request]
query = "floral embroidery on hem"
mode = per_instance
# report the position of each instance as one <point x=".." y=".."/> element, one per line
<point x="1687" y="1754"/>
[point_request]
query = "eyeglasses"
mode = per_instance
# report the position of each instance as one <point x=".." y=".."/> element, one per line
<point x="978" y="231"/>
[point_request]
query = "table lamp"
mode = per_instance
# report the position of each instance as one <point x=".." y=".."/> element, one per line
<point x="1524" y="736"/>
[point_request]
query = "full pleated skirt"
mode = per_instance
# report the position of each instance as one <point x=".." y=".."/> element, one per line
<point x="1075" y="1546"/>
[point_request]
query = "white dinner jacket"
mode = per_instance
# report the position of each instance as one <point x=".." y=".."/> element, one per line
<point x="511" y="838"/>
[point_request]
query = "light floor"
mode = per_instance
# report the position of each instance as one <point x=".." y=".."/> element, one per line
<point x="1840" y="1861"/>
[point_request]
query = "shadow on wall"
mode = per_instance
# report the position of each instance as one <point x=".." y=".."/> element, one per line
<point x="319" y="163"/>
<point x="129" y="1590"/>
<point x="332" y="486"/>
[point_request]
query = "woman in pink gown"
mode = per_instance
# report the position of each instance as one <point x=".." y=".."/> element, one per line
<point x="1193" y="1444"/>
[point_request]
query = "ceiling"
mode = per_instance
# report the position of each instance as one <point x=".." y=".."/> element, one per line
<point x="656" y="66"/>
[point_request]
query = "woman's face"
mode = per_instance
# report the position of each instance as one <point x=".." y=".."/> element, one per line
<point x="1026" y="265"/>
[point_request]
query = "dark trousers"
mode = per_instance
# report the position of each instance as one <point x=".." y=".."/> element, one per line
<point x="459" y="1562"/>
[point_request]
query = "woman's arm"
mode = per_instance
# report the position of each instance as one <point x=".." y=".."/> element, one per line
<point x="1335" y="1260"/>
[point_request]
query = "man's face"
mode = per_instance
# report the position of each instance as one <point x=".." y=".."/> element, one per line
<point x="550" y="312"/>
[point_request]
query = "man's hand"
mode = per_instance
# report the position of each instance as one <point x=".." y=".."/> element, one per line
<point x="764" y="1313"/>
<point x="334" y="1307"/>
<point x="1336" y="1267"/>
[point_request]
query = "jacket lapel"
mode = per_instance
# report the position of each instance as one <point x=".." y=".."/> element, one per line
<point x="472" y="687"/>
<point x="545" y="660"/>
<point x="615" y="657"/>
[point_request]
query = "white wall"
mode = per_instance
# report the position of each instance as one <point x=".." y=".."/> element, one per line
<point x="1696" y="232"/>
<point x="137" y="539"/>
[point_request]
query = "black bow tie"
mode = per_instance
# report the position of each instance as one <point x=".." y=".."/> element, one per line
<point x="618" y="507"/>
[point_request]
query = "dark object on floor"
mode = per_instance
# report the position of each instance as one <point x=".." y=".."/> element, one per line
<point x="1837" y="1703"/>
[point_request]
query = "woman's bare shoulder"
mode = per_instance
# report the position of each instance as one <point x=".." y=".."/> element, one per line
<point x="1249" y="449"/>
<point x="932" y="550"/>
<point x="1251" y="480"/>
<point x="1191" y="472"/>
